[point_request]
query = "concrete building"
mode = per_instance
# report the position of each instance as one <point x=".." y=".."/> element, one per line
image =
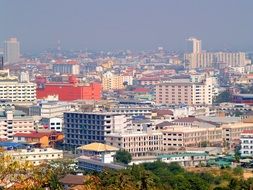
<point x="189" y="93"/>
<point x="68" y="67"/>
<point x="195" y="45"/>
<point x="198" y="59"/>
<point x="12" y="122"/>
<point x="111" y="81"/>
<point x="232" y="132"/>
<point x="52" y="109"/>
<point x="97" y="157"/>
<point x="35" y="155"/>
<point x="82" y="128"/>
<point x="11" y="50"/>
<point x="12" y="89"/>
<point x="186" y="159"/>
<point x="56" y="124"/>
<point x="131" y="110"/>
<point x="246" y="140"/>
<point x="138" y="144"/>
<point x="24" y="76"/>
<point x="180" y="137"/>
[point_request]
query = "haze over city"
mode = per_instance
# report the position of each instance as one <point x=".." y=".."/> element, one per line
<point x="135" y="25"/>
<point x="126" y="95"/>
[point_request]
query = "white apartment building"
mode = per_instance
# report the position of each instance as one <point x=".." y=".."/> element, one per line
<point x="246" y="139"/>
<point x="139" y="144"/>
<point x="16" y="91"/>
<point x="35" y="155"/>
<point x="51" y="109"/>
<point x="12" y="122"/>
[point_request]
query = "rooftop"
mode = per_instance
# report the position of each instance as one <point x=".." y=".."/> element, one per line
<point x="184" y="154"/>
<point x="97" y="147"/>
<point x="70" y="179"/>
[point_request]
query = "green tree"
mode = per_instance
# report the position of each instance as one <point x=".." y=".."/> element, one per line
<point x="123" y="156"/>
<point x="225" y="96"/>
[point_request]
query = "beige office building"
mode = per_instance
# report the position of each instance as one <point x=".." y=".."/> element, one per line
<point x="232" y="132"/>
<point x="186" y="93"/>
<point x="139" y="144"/>
<point x="180" y="137"/>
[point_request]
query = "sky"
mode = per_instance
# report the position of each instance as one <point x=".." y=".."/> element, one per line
<point x="127" y="24"/>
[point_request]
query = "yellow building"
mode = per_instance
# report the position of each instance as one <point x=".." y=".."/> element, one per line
<point x="112" y="81"/>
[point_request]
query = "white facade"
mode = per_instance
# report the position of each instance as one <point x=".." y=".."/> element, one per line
<point x="51" y="109"/>
<point x="56" y="124"/>
<point x="247" y="143"/>
<point x="186" y="158"/>
<point x="24" y="76"/>
<point x="36" y="155"/>
<point x="66" y="68"/>
<point x="15" y="91"/>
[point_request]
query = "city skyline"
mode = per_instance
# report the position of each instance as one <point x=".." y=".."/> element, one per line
<point x="130" y="25"/>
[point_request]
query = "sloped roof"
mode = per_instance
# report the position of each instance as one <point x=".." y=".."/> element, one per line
<point x="73" y="180"/>
<point x="32" y="134"/>
<point x="97" y="147"/>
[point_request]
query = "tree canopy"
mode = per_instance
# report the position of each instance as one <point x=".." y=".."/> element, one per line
<point x="225" y="96"/>
<point x="123" y="156"/>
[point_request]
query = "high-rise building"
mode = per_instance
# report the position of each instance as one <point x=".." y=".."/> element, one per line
<point x="11" y="50"/>
<point x="195" y="58"/>
<point x="195" y="45"/>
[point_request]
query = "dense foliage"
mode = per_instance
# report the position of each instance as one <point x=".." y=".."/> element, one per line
<point x="122" y="156"/>
<point x="225" y="96"/>
<point x="148" y="176"/>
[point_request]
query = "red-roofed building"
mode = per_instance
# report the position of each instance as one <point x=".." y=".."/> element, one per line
<point x="141" y="90"/>
<point x="41" y="139"/>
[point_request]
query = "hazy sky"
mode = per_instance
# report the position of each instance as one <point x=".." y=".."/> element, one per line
<point x="127" y="24"/>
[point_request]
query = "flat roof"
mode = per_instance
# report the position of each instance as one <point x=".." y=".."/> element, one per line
<point x="183" y="129"/>
<point x="182" y="155"/>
